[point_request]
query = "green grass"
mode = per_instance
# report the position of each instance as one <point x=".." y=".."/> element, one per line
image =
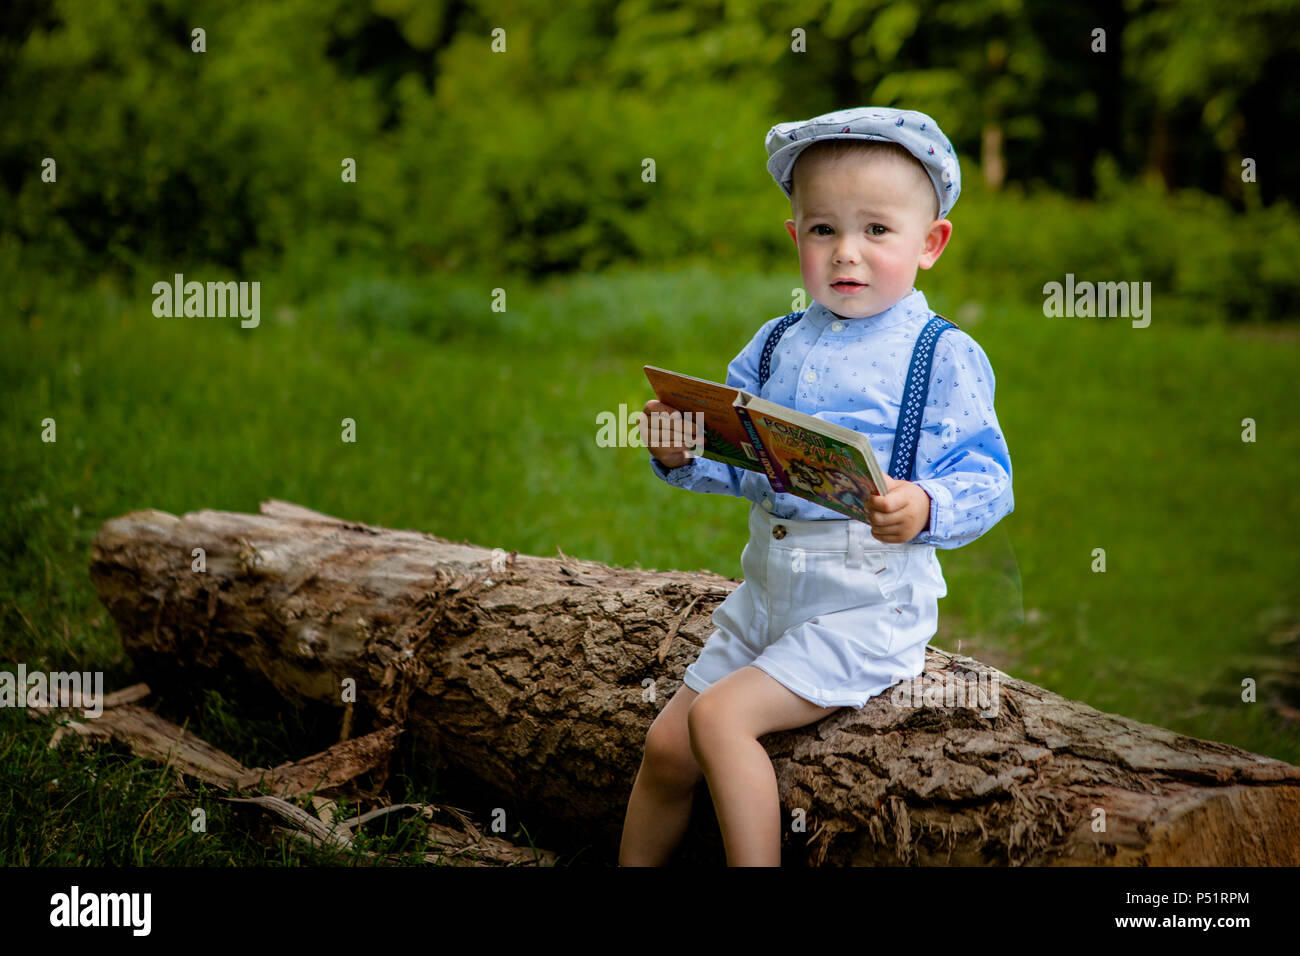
<point x="480" y="425"/>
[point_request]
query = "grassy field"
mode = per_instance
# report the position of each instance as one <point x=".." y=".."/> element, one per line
<point x="481" y="425"/>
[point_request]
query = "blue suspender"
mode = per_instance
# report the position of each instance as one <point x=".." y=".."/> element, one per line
<point x="915" y="392"/>
<point x="903" y="461"/>
<point x="765" y="360"/>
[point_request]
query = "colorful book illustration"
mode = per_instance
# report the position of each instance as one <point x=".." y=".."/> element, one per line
<point x="819" y="461"/>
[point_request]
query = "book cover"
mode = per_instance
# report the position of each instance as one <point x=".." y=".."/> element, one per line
<point x="725" y="437"/>
<point x="818" y="461"/>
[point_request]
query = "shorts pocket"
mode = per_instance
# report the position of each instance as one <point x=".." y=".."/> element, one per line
<point x="885" y="567"/>
<point x="824" y="583"/>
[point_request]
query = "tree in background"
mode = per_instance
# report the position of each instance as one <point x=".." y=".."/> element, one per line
<point x="592" y="133"/>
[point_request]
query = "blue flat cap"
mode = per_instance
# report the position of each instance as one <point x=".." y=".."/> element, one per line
<point x="917" y="133"/>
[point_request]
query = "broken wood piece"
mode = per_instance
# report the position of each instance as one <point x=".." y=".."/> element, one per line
<point x="155" y="738"/>
<point x="325" y="809"/>
<point x="338" y="764"/>
<point x="667" y="642"/>
<point x="299" y="818"/>
<point x="450" y="847"/>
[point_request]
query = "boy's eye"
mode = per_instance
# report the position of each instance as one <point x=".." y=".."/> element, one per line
<point x="871" y="229"/>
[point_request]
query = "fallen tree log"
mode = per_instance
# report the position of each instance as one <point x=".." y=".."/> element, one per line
<point x="540" y="676"/>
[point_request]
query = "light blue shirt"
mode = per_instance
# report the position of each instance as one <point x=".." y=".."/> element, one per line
<point x="852" y="372"/>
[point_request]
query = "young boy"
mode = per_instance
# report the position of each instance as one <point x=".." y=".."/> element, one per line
<point x="831" y="611"/>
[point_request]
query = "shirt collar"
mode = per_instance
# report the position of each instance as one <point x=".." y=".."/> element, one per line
<point x="906" y="308"/>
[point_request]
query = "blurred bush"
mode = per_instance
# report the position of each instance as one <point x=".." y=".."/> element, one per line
<point x="1203" y="259"/>
<point x="607" y="132"/>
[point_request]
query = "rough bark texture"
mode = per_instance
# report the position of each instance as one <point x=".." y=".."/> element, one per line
<point x="530" y="674"/>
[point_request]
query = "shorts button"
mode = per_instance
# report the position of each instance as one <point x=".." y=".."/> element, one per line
<point x="778" y="531"/>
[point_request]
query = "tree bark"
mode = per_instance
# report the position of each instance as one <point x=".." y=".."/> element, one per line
<point x="540" y="676"/>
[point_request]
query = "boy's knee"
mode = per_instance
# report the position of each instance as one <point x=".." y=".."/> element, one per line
<point x="707" y="718"/>
<point x="668" y="755"/>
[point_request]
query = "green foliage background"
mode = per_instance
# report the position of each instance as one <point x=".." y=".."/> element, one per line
<point x="529" y="161"/>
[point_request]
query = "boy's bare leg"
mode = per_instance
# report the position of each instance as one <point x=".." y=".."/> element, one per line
<point x="725" y="723"/>
<point x="659" y="809"/>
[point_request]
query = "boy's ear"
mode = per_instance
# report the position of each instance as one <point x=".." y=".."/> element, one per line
<point x="935" y="243"/>
<point x="790" y="227"/>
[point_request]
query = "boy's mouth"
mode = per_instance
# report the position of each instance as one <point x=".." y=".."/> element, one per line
<point x="848" y="286"/>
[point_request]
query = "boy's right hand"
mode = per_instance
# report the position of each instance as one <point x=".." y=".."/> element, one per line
<point x="675" y="433"/>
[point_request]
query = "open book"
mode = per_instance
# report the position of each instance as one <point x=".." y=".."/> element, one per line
<point x="819" y="461"/>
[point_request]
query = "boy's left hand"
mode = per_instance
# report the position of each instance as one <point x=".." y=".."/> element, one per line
<point x="901" y="513"/>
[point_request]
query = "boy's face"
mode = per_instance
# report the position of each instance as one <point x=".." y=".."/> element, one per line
<point x="865" y="219"/>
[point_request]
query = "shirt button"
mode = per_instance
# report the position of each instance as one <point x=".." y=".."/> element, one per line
<point x="767" y="504"/>
<point x="778" y="531"/>
<point x="837" y="326"/>
<point x="810" y="376"/>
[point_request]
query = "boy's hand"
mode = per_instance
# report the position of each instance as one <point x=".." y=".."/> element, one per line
<point x="671" y="425"/>
<point x="901" y="513"/>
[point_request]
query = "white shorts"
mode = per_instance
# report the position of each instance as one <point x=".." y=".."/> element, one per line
<point x="826" y="609"/>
